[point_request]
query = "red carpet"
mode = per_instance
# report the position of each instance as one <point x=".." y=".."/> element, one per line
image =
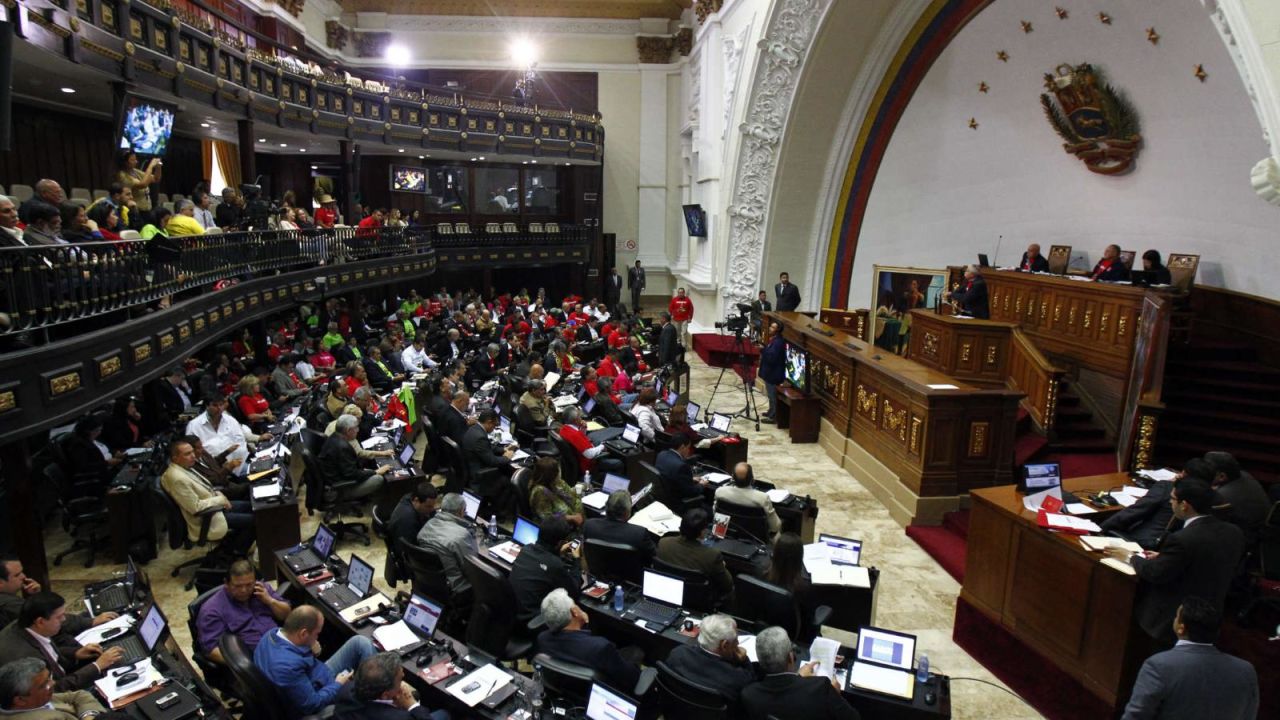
<point x="722" y="351"/>
<point x="1053" y="693"/>
<point x="946" y="543"/>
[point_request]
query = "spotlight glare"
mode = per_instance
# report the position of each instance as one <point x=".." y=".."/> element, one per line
<point x="398" y="55"/>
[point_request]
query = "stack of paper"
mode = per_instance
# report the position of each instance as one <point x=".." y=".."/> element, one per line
<point x="136" y="451"/>
<point x="824" y="650"/>
<point x="1128" y="495"/>
<point x="657" y="519"/>
<point x="269" y="490"/>
<point x="1120" y="565"/>
<point x="778" y="496"/>
<point x="395" y="636"/>
<point x="95" y="634"/>
<point x="1059" y="521"/>
<point x="1097" y="543"/>
<point x="479" y="685"/>
<point x="373" y="441"/>
<point x="717" y="478"/>
<point x="147" y="676"/>
<point x="849" y="575"/>
<point x="1161" y="475"/>
<point x="595" y="500"/>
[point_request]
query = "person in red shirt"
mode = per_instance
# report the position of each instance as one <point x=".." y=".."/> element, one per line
<point x="253" y="405"/>
<point x="590" y="456"/>
<point x="368" y="227"/>
<point x="681" y="309"/>
<point x="578" y="316"/>
<point x="607" y="367"/>
<point x="327" y="215"/>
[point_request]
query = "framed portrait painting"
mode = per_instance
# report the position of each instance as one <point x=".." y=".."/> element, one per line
<point x="897" y="291"/>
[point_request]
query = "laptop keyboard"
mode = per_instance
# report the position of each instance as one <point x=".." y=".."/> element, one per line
<point x="654" y="612"/>
<point x="341" y="595"/>
<point x="133" y="648"/>
<point x="304" y="560"/>
<point x="112" y="598"/>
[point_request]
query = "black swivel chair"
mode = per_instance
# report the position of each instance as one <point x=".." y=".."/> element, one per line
<point x="747" y="522"/>
<point x="680" y="698"/>
<point x="571" y="681"/>
<point x="520" y="480"/>
<point x="768" y="604"/>
<point x="492" y="628"/>
<point x="699" y="595"/>
<point x="313" y="441"/>
<point x="425" y="571"/>
<point x="570" y="467"/>
<point x="613" y="561"/>
<point x="393" y="571"/>
<point x="176" y="524"/>
<point x="216" y="674"/>
<point x="665" y="493"/>
<point x="331" y="506"/>
<point x="261" y="699"/>
<point x="84" y="515"/>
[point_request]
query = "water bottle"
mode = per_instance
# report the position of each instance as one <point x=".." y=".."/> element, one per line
<point x="922" y="669"/>
<point x="493" y="527"/>
<point x="619" y="598"/>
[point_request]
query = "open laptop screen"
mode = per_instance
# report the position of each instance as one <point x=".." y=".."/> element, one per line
<point x="844" y="551"/>
<point x="883" y="647"/>
<point x="1042" y="476"/>
<point x="525" y="532"/>
<point x="613" y="483"/>
<point x="694" y="409"/>
<point x="588" y="406"/>
<point x="721" y="422"/>
<point x="152" y="627"/>
<point x="473" y="505"/>
<point x="672" y="398"/>
<point x="631" y="434"/>
<point x="663" y="588"/>
<point x="322" y="543"/>
<point x="359" y="576"/>
<point x="605" y="704"/>
<point x="422" y="615"/>
<point x="406" y="455"/>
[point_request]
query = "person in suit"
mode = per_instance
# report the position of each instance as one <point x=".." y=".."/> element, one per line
<point x="635" y="282"/>
<point x="676" y="473"/>
<point x="742" y="492"/>
<point x="773" y="363"/>
<point x="786" y="295"/>
<point x="285" y="381"/>
<point x="26" y="692"/>
<point x="449" y="535"/>
<point x="1146" y="521"/>
<point x="1194" y="680"/>
<point x="548" y="564"/>
<point x="451" y="347"/>
<point x="1200" y="559"/>
<point x="16" y="587"/>
<point x="412" y="512"/>
<point x="195" y="496"/>
<point x="615" y="528"/>
<point x="1110" y="268"/>
<point x="341" y="464"/>
<point x="1249" y="502"/>
<point x="567" y="638"/>
<point x="790" y="692"/>
<point x="972" y="297"/>
<point x="687" y="551"/>
<point x="613" y="290"/>
<point x="669" y="348"/>
<point x="455" y="421"/>
<point x="1033" y="261"/>
<point x="86" y="455"/>
<point x="606" y="408"/>
<point x="381" y="693"/>
<point x="33" y="635"/>
<point x="175" y="395"/>
<point x="480" y="456"/>
<point x="716" y="661"/>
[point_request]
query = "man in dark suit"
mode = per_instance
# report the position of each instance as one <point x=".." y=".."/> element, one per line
<point x="453" y="422"/>
<point x="672" y="464"/>
<point x="413" y="510"/>
<point x="381" y="693"/>
<point x="687" y="551"/>
<point x="1194" y="680"/>
<point x="635" y="282"/>
<point x="480" y="456"/>
<point x="1033" y="261"/>
<point x="669" y="348"/>
<point x="73" y="667"/>
<point x="174" y="394"/>
<point x="340" y="464"/>
<point x="788" y="692"/>
<point x="1237" y="488"/>
<point x="569" y="640"/>
<point x="548" y="564"/>
<point x="787" y="296"/>
<point x="614" y="528"/>
<point x="972" y="295"/>
<point x="451" y="347"/>
<point x="606" y="408"/>
<point x="1111" y="267"/>
<point x="716" y="661"/>
<point x="1200" y="559"/>
<point x="612" y="290"/>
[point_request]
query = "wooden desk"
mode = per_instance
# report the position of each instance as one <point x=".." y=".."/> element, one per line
<point x="917" y="448"/>
<point x="278" y="527"/>
<point x="799" y="414"/>
<point x="1051" y="593"/>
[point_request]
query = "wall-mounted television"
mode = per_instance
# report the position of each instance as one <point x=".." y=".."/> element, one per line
<point x="408" y="179"/>
<point x="695" y="219"/>
<point x="146" y="126"/>
<point x="798" y="368"/>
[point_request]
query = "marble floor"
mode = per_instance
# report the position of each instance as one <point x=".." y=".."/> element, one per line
<point x="914" y="596"/>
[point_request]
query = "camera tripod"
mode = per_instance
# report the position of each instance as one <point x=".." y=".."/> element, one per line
<point x="750" y="411"/>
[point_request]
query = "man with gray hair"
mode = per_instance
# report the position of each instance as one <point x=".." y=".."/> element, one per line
<point x="535" y="400"/>
<point x="789" y="692"/>
<point x="340" y="464"/>
<point x="573" y="430"/>
<point x="449" y="536"/>
<point x="971" y="296"/>
<point x="614" y="528"/>
<point x="717" y="661"/>
<point x="382" y="694"/>
<point x="10" y="233"/>
<point x="568" y="639"/>
<point x="183" y="220"/>
<point x="26" y="691"/>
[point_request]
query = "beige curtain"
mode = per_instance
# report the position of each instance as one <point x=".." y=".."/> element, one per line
<point x="229" y="162"/>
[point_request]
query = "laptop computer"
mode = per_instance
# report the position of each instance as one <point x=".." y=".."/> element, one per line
<point x="718" y="427"/>
<point x="844" y="551"/>
<point x="472" y="504"/>
<point x="663" y="598"/>
<point x="588" y="406"/>
<point x="1141" y="278"/>
<point x="117" y="596"/>
<point x="606" y="704"/>
<point x="359" y="582"/>
<point x="628" y="443"/>
<point x="141" y="640"/>
<point x="614" y="483"/>
<point x="983" y="261"/>
<point x="423" y="615"/>
<point x="693" y="411"/>
<point x="883" y="663"/>
<point x="524" y="533"/>
<point x="314" y="555"/>
<point x="1039" y="477"/>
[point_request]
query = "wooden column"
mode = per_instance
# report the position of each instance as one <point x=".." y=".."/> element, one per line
<point x="24" y="517"/>
<point x="248" y="166"/>
<point x="349" y="153"/>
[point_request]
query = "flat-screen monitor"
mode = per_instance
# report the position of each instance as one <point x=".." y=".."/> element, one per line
<point x="1040" y="477"/>
<point x="408" y="179"/>
<point x="525" y="532"/>
<point x="695" y="219"/>
<point x="146" y="126"/>
<point x="797" y="368"/>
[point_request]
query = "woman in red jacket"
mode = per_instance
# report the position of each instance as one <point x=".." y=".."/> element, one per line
<point x="253" y="405"/>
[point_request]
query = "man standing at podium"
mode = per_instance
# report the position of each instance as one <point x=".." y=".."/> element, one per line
<point x="971" y="297"/>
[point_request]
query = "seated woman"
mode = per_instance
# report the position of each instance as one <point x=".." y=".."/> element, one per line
<point x="1152" y="263"/>
<point x="786" y="570"/>
<point x="123" y="430"/>
<point x="253" y="404"/>
<point x="645" y="414"/>
<point x="550" y="496"/>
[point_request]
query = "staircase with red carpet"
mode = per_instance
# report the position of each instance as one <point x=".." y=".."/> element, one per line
<point x="945" y="543"/>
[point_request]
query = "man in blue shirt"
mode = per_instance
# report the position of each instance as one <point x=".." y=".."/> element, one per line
<point x="287" y="657"/>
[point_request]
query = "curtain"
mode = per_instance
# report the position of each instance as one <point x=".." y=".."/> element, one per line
<point x="206" y="160"/>
<point x="229" y="162"/>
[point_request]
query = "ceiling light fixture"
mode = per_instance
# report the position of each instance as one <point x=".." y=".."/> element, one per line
<point x="284" y="144"/>
<point x="400" y="150"/>
<point x="204" y="124"/>
<point x="262" y="139"/>
<point x="69" y="90"/>
<point x="304" y="150"/>
<point x="422" y="157"/>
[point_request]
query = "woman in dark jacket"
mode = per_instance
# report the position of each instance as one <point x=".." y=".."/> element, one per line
<point x="773" y="361"/>
<point x="1153" y="263"/>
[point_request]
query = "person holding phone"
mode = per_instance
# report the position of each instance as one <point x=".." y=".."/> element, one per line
<point x="246" y="607"/>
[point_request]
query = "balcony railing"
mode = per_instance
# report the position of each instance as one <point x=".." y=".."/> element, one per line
<point x="49" y="285"/>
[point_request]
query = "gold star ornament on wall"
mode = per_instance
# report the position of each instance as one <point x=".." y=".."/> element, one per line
<point x="1026" y="26"/>
<point x="983" y="87"/>
<point x="1153" y="37"/>
<point x="1104" y="18"/>
<point x="1200" y="73"/>
<point x="1002" y="56"/>
<point x="973" y="123"/>
<point x="1062" y="13"/>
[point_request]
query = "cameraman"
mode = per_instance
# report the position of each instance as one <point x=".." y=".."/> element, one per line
<point x="230" y="212"/>
<point x="773" y="360"/>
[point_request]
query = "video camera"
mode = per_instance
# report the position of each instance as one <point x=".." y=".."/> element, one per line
<point x="737" y="325"/>
<point x="258" y="211"/>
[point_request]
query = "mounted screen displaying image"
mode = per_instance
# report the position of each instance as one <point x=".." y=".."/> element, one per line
<point x="146" y="126"/>
<point x="797" y="368"/>
<point x="408" y="179"/>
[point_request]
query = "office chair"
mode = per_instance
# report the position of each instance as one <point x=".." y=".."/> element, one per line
<point x="681" y="698"/>
<point x="699" y="595"/>
<point x="613" y="561"/>
<point x="570" y="467"/>
<point x="747" y="522"/>
<point x="216" y="674"/>
<point x="261" y="699"/>
<point x="520" y="479"/>
<point x="492" y="626"/>
<point x="176" y="524"/>
<point x="425" y="571"/>
<point x="328" y="498"/>
<point x="769" y="604"/>
<point x="1265" y="588"/>
<point x="84" y="515"/>
<point x="527" y="429"/>
<point x="393" y="569"/>
<point x="313" y="440"/>
<point x="458" y="478"/>
<point x="563" y="679"/>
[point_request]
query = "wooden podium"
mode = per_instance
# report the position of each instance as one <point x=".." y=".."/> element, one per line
<point x="800" y="414"/>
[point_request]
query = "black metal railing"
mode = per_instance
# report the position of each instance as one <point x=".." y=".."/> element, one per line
<point x="43" y="286"/>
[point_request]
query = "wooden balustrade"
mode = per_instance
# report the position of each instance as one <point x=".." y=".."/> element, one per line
<point x="1032" y="373"/>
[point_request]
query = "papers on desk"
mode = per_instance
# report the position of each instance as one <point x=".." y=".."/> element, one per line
<point x="818" y="554"/>
<point x="1078" y="509"/>
<point x="850" y="575"/>
<point x="748" y="645"/>
<point x="1066" y="523"/>
<point x="507" y="552"/>
<point x="943" y="386"/>
<point x="147" y="676"/>
<point x="551" y="379"/>
<point x="1128" y="495"/>
<point x="269" y="471"/>
<point x="373" y="441"/>
<point x="367" y="606"/>
<point x="717" y="478"/>
<point x="1161" y="475"/>
<point x="136" y="451"/>
<point x="699" y="427"/>
<point x="778" y="496"/>
<point x="395" y="636"/>
<point x="657" y="519"/>
<point x="824" y="651"/>
<point x="276" y="449"/>
<point x="595" y="500"/>
<point x="269" y="490"/>
<point x="94" y="634"/>
<point x="479" y="685"/>
<point x="1120" y="565"/>
<point x="1098" y="543"/>
<point x="519" y="455"/>
<point x="593" y="425"/>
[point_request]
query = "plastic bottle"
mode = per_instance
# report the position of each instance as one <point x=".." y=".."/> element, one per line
<point x="619" y="598"/>
<point x="922" y="669"/>
<point x="493" y="526"/>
